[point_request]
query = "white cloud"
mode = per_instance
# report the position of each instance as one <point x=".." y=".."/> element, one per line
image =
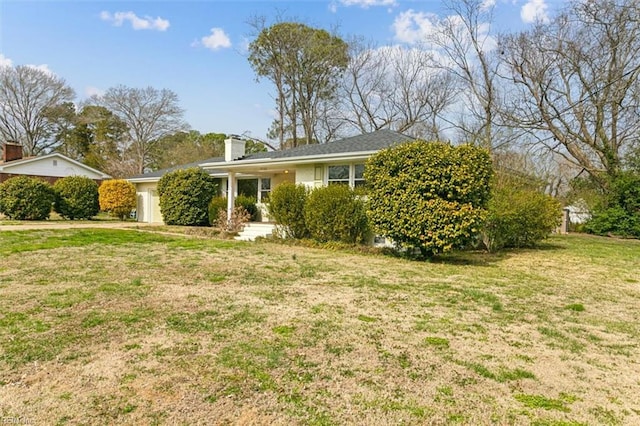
<point x="534" y="11"/>
<point x="90" y="91"/>
<point x="368" y="3"/>
<point x="4" y="61"/>
<point x="42" y="67"/>
<point x="137" y="23"/>
<point x="218" y="39"/>
<point x="413" y="27"/>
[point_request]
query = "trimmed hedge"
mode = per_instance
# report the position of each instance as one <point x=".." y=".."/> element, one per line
<point x="76" y="197"/>
<point x="117" y="197"/>
<point x="336" y="213"/>
<point x="429" y="195"/>
<point x="185" y="196"/>
<point x="26" y="198"/>
<point x="286" y="207"/>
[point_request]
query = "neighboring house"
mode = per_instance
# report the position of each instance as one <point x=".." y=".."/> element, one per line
<point x="50" y="167"/>
<point x="339" y="162"/>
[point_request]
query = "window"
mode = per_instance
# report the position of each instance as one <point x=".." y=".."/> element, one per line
<point x="265" y="189"/>
<point x="346" y="174"/>
<point x="339" y="175"/>
<point x="248" y="187"/>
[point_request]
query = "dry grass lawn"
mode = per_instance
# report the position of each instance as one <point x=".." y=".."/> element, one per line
<point x="126" y="327"/>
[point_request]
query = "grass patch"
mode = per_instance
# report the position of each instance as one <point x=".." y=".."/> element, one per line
<point x="116" y="326"/>
<point x="438" y="342"/>
<point x="541" y="401"/>
<point x="575" y="307"/>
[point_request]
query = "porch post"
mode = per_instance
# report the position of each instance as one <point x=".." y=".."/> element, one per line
<point x="231" y="194"/>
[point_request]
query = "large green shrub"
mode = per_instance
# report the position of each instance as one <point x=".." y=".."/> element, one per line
<point x="614" y="220"/>
<point x="618" y="212"/>
<point x="185" y="196"/>
<point x="429" y="195"/>
<point x="286" y="208"/>
<point x="117" y="197"/>
<point x="336" y="213"/>
<point x="519" y="217"/>
<point x="76" y="197"/>
<point x="26" y="198"/>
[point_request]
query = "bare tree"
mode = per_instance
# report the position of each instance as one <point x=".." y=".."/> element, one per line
<point x="29" y="98"/>
<point x="577" y="89"/>
<point x="466" y="49"/>
<point x="394" y="88"/>
<point x="149" y="115"/>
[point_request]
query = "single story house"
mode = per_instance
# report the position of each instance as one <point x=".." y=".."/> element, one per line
<point x="257" y="174"/>
<point x="50" y="167"/>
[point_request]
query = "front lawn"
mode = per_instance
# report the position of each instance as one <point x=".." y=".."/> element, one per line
<point x="120" y="326"/>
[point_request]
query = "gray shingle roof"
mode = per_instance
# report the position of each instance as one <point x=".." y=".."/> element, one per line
<point x="367" y="142"/>
<point x="374" y="141"/>
<point x="161" y="172"/>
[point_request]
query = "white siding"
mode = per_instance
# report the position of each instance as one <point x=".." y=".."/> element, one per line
<point x="148" y="208"/>
<point x="310" y="175"/>
<point x="50" y="166"/>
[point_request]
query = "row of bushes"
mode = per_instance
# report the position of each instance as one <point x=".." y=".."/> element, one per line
<point x="331" y="213"/>
<point x="428" y="196"/>
<point x="72" y="197"/>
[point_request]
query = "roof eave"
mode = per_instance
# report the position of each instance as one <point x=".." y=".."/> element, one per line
<point x="349" y="156"/>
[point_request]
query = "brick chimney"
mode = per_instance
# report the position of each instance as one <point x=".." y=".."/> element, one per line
<point x="12" y="151"/>
<point x="233" y="148"/>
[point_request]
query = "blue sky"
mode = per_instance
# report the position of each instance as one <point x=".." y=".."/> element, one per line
<point x="198" y="48"/>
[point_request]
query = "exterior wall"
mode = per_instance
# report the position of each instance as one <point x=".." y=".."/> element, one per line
<point x="278" y="178"/>
<point x="148" y="205"/>
<point x="51" y="167"/>
<point x="310" y="175"/>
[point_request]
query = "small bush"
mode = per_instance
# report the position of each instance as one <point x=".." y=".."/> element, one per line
<point x="76" y="197"/>
<point x="239" y="216"/>
<point x="249" y="204"/>
<point x="185" y="196"/>
<point x="216" y="205"/>
<point x="220" y="203"/>
<point x="117" y="197"/>
<point x="286" y="207"/>
<point x="335" y="213"/>
<point x="26" y="198"/>
<point x="519" y="217"/>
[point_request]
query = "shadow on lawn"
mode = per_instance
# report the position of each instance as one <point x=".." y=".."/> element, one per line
<point x="475" y="257"/>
